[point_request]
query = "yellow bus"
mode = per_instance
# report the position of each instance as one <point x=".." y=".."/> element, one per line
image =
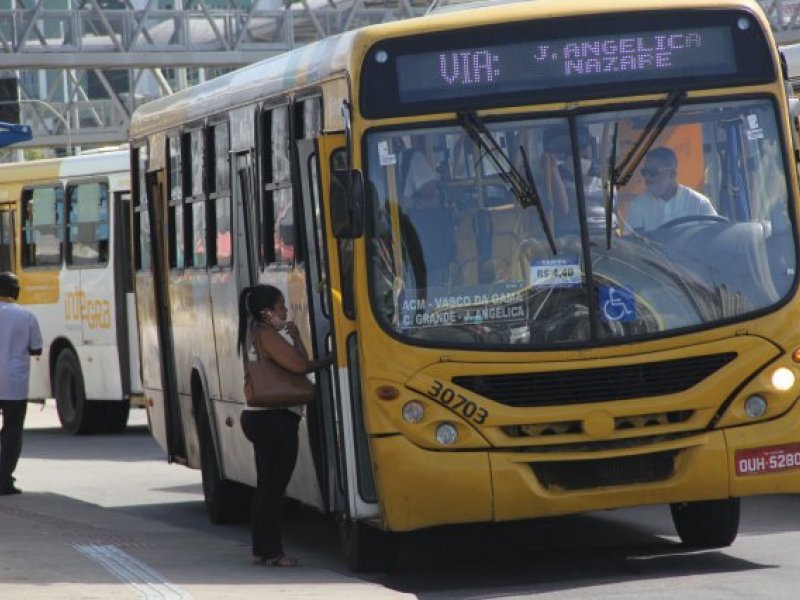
<point x="64" y="229"/>
<point x="457" y="206"/>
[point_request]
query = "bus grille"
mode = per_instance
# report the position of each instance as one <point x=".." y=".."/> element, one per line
<point x="587" y="474"/>
<point x="636" y="423"/>
<point x="583" y="386"/>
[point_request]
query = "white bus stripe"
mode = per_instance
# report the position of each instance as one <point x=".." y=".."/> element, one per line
<point x="148" y="583"/>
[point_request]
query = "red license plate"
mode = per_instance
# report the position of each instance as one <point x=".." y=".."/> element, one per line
<point x="756" y="461"/>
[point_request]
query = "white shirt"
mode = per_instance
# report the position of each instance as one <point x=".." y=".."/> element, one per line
<point x="19" y="332"/>
<point x="648" y="212"/>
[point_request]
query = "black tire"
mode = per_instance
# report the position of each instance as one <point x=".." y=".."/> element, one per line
<point x="366" y="549"/>
<point x="226" y="501"/>
<point x="709" y="524"/>
<point x="116" y="416"/>
<point x="77" y="416"/>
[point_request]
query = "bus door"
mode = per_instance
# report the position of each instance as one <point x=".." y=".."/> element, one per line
<point x="168" y="418"/>
<point x="127" y="340"/>
<point x="335" y="452"/>
<point x="7" y="237"/>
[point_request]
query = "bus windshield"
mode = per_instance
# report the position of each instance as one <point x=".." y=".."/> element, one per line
<point x="700" y="235"/>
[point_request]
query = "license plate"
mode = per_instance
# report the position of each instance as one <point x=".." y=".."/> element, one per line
<point x="756" y="461"/>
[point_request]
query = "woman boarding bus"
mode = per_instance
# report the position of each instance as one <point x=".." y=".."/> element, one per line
<point x="64" y="230"/>
<point x="507" y="346"/>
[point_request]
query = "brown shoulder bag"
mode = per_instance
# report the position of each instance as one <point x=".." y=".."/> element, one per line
<point x="269" y="385"/>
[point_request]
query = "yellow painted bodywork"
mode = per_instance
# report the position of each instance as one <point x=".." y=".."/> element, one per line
<point x="420" y="488"/>
<point x="777" y="432"/>
<point x="704" y="467"/>
<point x="421" y="483"/>
<point x="698" y="476"/>
<point x="41" y="285"/>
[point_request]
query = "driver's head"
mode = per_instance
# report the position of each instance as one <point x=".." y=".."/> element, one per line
<point x="9" y="285"/>
<point x="660" y="172"/>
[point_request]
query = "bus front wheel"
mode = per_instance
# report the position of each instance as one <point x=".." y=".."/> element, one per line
<point x="708" y="524"/>
<point x="366" y="549"/>
<point x="74" y="412"/>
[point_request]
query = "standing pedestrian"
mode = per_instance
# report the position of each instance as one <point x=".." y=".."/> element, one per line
<point x="272" y="431"/>
<point x="20" y="338"/>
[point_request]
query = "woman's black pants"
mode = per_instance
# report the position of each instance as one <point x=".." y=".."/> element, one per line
<point x="273" y="434"/>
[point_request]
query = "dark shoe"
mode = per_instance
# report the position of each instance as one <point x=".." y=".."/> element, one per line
<point x="9" y="490"/>
<point x="281" y="560"/>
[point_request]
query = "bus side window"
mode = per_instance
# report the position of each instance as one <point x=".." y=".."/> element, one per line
<point x="308" y="115"/>
<point x="175" y="221"/>
<point x="87" y="224"/>
<point x="42" y="226"/>
<point x="141" y="218"/>
<point x="307" y="125"/>
<point x="338" y="162"/>
<point x="218" y="182"/>
<point x="195" y="198"/>
<point x="277" y="212"/>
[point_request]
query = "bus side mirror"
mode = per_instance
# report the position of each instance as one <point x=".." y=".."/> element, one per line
<point x="794" y="115"/>
<point x="347" y="204"/>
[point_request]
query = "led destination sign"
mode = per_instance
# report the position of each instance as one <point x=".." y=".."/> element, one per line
<point x="545" y="64"/>
<point x="561" y="59"/>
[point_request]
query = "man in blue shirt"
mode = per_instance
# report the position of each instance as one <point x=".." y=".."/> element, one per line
<point x="20" y="338"/>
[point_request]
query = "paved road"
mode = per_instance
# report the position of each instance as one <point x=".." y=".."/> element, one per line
<point x="106" y="516"/>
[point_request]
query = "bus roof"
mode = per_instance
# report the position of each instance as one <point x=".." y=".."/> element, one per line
<point x="315" y="62"/>
<point x="340" y="54"/>
<point x="87" y="165"/>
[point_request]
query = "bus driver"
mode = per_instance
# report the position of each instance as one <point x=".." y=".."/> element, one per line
<point x="664" y="199"/>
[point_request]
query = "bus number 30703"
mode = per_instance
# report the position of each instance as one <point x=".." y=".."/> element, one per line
<point x="457" y="402"/>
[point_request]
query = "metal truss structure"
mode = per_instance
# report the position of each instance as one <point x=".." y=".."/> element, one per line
<point x="83" y="69"/>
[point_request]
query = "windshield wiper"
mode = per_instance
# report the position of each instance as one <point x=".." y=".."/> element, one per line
<point x="622" y="174"/>
<point x="523" y="188"/>
<point x="608" y="193"/>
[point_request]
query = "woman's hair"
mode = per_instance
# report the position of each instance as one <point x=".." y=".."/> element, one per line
<point x="252" y="301"/>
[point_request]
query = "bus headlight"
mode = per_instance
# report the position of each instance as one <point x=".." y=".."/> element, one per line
<point x="413" y="412"/>
<point x="755" y="406"/>
<point x="446" y="434"/>
<point x="782" y="379"/>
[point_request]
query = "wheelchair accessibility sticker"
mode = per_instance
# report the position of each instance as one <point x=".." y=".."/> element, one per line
<point x="617" y="304"/>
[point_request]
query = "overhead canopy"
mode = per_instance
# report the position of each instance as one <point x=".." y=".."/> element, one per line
<point x="11" y="133"/>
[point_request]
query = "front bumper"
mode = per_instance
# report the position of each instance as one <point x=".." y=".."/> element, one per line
<point x="421" y="488"/>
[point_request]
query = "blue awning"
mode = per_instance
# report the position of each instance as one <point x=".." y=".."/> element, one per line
<point x="11" y="133"/>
